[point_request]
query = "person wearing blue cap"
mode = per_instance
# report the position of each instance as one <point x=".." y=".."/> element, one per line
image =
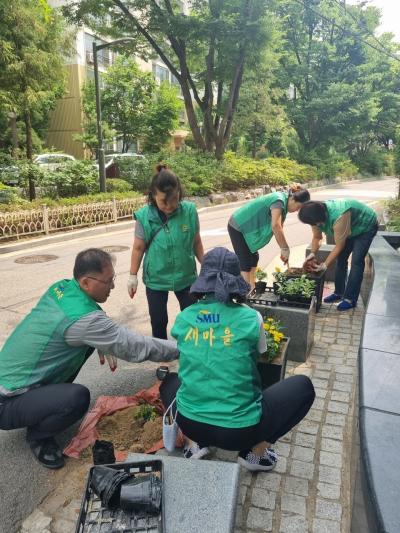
<point x="219" y="397"/>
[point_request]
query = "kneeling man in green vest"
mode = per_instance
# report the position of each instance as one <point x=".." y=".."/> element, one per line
<point x="43" y="355"/>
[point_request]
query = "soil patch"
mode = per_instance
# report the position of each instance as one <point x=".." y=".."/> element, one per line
<point x="129" y="431"/>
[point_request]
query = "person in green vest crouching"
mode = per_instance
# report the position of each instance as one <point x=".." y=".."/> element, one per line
<point x="41" y="358"/>
<point x="220" y="401"/>
<point x="252" y="226"/>
<point x="167" y="234"/>
<point x="353" y="226"/>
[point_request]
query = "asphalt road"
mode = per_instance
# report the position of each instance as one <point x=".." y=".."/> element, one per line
<point x="24" y="483"/>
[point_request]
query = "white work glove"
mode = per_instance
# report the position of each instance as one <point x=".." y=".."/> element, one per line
<point x="111" y="360"/>
<point x="285" y="253"/>
<point x="132" y="284"/>
<point x="310" y="256"/>
<point x="320" y="268"/>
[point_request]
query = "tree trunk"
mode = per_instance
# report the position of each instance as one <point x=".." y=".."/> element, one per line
<point x="29" y="152"/>
<point x="14" y="134"/>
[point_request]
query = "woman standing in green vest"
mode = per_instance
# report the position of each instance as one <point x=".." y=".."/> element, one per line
<point x="252" y="226"/>
<point x="353" y="226"/>
<point x="167" y="234"/>
<point x="220" y="401"/>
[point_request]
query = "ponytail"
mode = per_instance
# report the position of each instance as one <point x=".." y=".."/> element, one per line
<point x="298" y="193"/>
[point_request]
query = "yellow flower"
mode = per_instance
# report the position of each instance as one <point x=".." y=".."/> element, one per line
<point x="270" y="319"/>
<point x="277" y="269"/>
<point x="266" y="327"/>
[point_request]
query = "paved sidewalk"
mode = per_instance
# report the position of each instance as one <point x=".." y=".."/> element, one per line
<point x="309" y="491"/>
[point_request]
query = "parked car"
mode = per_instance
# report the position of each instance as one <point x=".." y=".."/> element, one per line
<point x="53" y="161"/>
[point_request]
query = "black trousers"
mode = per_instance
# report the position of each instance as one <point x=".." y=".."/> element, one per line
<point x="247" y="259"/>
<point x="157" y="302"/>
<point x="46" y="410"/>
<point x="284" y="405"/>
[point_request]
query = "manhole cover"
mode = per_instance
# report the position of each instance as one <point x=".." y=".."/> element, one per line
<point x="115" y="249"/>
<point x="27" y="259"/>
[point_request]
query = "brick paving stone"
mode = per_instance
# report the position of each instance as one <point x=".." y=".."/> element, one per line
<point x="281" y="465"/>
<point x="303" y="454"/>
<point x="340" y="396"/>
<point x="325" y="366"/>
<point x="319" y="404"/>
<point x="330" y="459"/>
<point x="344" y="369"/>
<point x="308" y="427"/>
<point x="242" y="494"/>
<point x="335" y="419"/>
<point x="293" y="504"/>
<point x="302" y="469"/>
<point x="303" y="439"/>
<point x="332" y="432"/>
<point x="263" y="498"/>
<point x="320" y="393"/>
<point x="245" y="477"/>
<point x="282" y="449"/>
<point x="338" y="347"/>
<point x="259" y="519"/>
<point x="328" y="474"/>
<point x="268" y="480"/>
<point x="293" y="524"/>
<point x="326" y="526"/>
<point x="314" y="415"/>
<point x="328" y="509"/>
<point x="338" y="407"/>
<point x="330" y="445"/>
<point x="287" y="437"/>
<point x="342" y="386"/>
<point x="322" y="374"/>
<point x="326" y="490"/>
<point x="348" y="378"/>
<point x="295" y="485"/>
<point x="320" y="383"/>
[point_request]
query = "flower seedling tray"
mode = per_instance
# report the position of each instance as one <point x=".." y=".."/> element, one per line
<point x="318" y="277"/>
<point x="268" y="297"/>
<point x="94" y="518"/>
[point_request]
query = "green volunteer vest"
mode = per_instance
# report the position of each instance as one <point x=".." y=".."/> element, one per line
<point x="169" y="262"/>
<point x="220" y="384"/>
<point x="254" y="219"/>
<point x="36" y="352"/>
<point x="363" y="218"/>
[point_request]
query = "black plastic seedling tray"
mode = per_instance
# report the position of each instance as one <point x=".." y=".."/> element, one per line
<point x="94" y="518"/>
<point x="268" y="297"/>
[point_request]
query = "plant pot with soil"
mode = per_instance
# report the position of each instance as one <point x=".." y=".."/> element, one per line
<point x="272" y="365"/>
<point x="260" y="285"/>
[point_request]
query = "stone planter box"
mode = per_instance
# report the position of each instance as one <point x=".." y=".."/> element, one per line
<point x="298" y="323"/>
<point x="273" y="371"/>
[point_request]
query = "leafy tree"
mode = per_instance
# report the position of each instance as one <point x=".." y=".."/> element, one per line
<point x="344" y="94"/>
<point x="207" y="49"/>
<point x="32" y="44"/>
<point x="133" y="107"/>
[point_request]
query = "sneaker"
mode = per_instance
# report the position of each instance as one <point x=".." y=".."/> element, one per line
<point x="47" y="452"/>
<point x="332" y="298"/>
<point x="253" y="462"/>
<point x="345" y="305"/>
<point x="195" y="452"/>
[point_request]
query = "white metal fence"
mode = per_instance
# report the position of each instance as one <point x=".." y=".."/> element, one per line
<point x="48" y="220"/>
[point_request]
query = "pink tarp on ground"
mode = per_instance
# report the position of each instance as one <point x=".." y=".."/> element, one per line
<point x="107" y="405"/>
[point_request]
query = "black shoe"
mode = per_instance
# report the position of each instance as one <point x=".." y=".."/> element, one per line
<point x="47" y="452"/>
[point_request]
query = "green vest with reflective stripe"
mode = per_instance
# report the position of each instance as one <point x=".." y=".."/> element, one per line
<point x="363" y="218"/>
<point x="220" y="384"/>
<point x="36" y="352"/>
<point x="254" y="219"/>
<point x="169" y="262"/>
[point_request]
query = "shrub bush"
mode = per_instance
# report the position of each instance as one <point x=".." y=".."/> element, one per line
<point x="393" y="207"/>
<point x="117" y="185"/>
<point x="376" y="162"/>
<point x="72" y="179"/>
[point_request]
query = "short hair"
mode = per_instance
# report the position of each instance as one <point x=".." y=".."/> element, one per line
<point x="313" y="213"/>
<point x="91" y="260"/>
<point x="164" y="181"/>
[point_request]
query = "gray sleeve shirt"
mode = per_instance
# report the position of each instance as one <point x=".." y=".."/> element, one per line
<point x="101" y="332"/>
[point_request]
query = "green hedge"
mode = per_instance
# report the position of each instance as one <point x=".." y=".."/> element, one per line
<point x="394" y="215"/>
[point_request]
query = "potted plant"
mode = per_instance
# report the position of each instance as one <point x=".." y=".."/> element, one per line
<point x="293" y="272"/>
<point x="260" y="285"/>
<point x="272" y="365"/>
